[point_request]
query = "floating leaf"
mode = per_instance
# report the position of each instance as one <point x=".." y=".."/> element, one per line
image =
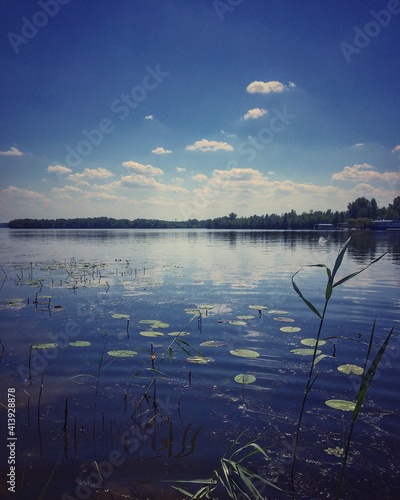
<point x="259" y="308"/>
<point x="245" y="317"/>
<point x="245" y="379"/>
<point x="277" y="311"/>
<point x="199" y="360"/>
<point x="151" y="333"/>
<point x="284" y="320"/>
<point x="45" y="346"/>
<point x="121" y="316"/>
<point x="245" y="353"/>
<point x="192" y="311"/>
<point x="321" y="357"/>
<point x="337" y="452"/>
<point x="80" y="343"/>
<point x="312" y="342"/>
<point x="290" y="329"/>
<point x="351" y="369"/>
<point x="206" y="306"/>
<point x="340" y="404"/>
<point x="213" y="343"/>
<point x="122" y="353"/>
<point x="237" y="322"/>
<point x="160" y="324"/>
<point x="180" y="334"/>
<point x="305" y="352"/>
<point x="149" y="321"/>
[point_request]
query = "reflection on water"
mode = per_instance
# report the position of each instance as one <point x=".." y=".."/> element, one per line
<point x="60" y="286"/>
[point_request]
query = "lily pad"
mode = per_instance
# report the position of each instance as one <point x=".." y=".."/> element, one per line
<point x="213" y="343"/>
<point x="122" y="353"/>
<point x="277" y="311"/>
<point x="80" y="343"/>
<point x="245" y="353"/>
<point x="237" y="322"/>
<point x="200" y="360"/>
<point x="121" y="316"/>
<point x="305" y="352"/>
<point x="284" y="320"/>
<point x="341" y="404"/>
<point x="149" y="321"/>
<point x="290" y="329"/>
<point x="258" y="307"/>
<point x="151" y="333"/>
<point x="351" y="369"/>
<point x="192" y="311"/>
<point x="178" y="334"/>
<point x="337" y="452"/>
<point x="50" y="345"/>
<point x="206" y="306"/>
<point x="244" y="317"/>
<point x="160" y="324"/>
<point x="245" y="379"/>
<point x="312" y="342"/>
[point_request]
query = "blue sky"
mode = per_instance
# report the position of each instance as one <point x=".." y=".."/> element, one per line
<point x="172" y="109"/>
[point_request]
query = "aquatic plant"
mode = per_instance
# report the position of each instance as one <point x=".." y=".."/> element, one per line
<point x="331" y="284"/>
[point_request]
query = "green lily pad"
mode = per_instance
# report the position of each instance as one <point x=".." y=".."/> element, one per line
<point x="80" y="343"/>
<point x="258" y="307"/>
<point x="213" y="343"/>
<point x="200" y="360"/>
<point x="151" y="333"/>
<point x="122" y="353"/>
<point x="245" y="353"/>
<point x="277" y="311"/>
<point x="351" y="369"/>
<point x="192" y="311"/>
<point x="245" y="317"/>
<point x="305" y="352"/>
<point x="237" y="322"/>
<point x="341" y="404"/>
<point x="206" y="306"/>
<point x="160" y="324"/>
<point x="245" y="379"/>
<point x="149" y="321"/>
<point x="45" y="346"/>
<point x="284" y="320"/>
<point x="312" y="342"/>
<point x="290" y="329"/>
<point x="121" y="316"/>
<point x="337" y="452"/>
<point x="178" y="334"/>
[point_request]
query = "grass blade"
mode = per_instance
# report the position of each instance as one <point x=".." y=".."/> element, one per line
<point x="307" y="302"/>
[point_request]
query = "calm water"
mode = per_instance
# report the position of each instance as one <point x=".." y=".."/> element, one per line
<point x="81" y="411"/>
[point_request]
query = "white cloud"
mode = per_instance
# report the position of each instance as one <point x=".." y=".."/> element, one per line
<point x="143" y="181"/>
<point x="365" y="173"/>
<point x="161" y="151"/>
<point x="271" y="87"/>
<point x="255" y="113"/>
<point x="149" y="117"/>
<point x="180" y="169"/>
<point x="11" y="152"/>
<point x="67" y="191"/>
<point x="142" y="169"/>
<point x="60" y="169"/>
<point x="396" y="148"/>
<point x="199" y="177"/>
<point x="23" y="194"/>
<point x="91" y="173"/>
<point x="206" y="145"/>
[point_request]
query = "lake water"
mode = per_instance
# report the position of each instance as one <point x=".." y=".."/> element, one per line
<point x="90" y="424"/>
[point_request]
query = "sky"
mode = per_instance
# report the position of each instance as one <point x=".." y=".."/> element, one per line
<point x="177" y="109"/>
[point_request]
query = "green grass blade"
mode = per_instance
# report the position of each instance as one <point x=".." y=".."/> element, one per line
<point x="352" y="275"/>
<point x="368" y="377"/>
<point x="339" y="258"/>
<point x="307" y="302"/>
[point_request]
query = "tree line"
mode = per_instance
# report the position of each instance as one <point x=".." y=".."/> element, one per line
<point x="360" y="214"/>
